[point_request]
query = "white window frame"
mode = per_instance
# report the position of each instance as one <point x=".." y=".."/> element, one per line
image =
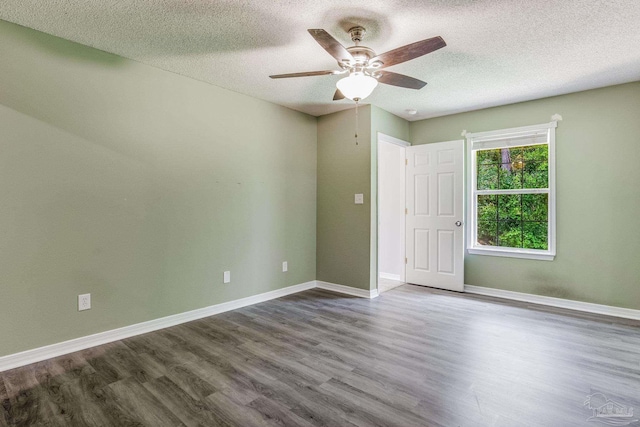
<point x="500" y="139"/>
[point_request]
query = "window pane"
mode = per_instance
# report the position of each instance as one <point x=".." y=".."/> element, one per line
<point x="487" y="208"/>
<point x="534" y="207"/>
<point x="509" y="207"/>
<point x="488" y="177"/>
<point x="536" y="166"/>
<point x="514" y="154"/>
<point x="536" y="175"/>
<point x="536" y="153"/>
<point x="519" y="167"/>
<point x="510" y="234"/>
<point x="488" y="157"/>
<point x="535" y="235"/>
<point x="521" y="220"/>
<point x="487" y="233"/>
<point x="510" y="176"/>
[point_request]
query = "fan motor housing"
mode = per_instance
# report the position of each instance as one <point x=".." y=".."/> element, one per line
<point x="361" y="54"/>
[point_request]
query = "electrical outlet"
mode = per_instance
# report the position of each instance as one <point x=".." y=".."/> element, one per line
<point x="84" y="302"/>
<point x="226" y="277"/>
<point x="285" y="266"/>
<point x="359" y="199"/>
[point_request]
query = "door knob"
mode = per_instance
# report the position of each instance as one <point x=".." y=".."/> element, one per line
<point x="458" y="223"/>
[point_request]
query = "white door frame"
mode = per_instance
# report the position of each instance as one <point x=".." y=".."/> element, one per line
<point x="375" y="211"/>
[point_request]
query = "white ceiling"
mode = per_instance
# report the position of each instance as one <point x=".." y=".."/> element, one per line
<point x="499" y="51"/>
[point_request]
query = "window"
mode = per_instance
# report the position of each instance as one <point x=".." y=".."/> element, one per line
<point x="512" y="192"/>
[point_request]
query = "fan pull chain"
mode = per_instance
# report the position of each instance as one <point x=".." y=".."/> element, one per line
<point x="356" y="122"/>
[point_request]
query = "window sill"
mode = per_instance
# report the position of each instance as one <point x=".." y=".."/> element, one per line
<point x="513" y="253"/>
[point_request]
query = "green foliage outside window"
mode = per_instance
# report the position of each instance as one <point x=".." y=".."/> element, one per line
<point x="513" y="220"/>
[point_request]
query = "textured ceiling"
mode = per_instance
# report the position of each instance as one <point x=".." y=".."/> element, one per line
<point x="499" y="51"/>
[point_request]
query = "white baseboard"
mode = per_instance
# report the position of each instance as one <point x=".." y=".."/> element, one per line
<point x="42" y="353"/>
<point x="607" y="310"/>
<point x="390" y="276"/>
<point x="348" y="290"/>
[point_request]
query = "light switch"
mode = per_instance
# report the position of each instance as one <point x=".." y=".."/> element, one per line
<point x="359" y="199"/>
<point x="226" y="278"/>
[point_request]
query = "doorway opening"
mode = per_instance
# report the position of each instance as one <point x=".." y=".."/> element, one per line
<point x="391" y="212"/>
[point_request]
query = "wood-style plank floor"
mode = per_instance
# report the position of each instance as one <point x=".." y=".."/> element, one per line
<point x="412" y="357"/>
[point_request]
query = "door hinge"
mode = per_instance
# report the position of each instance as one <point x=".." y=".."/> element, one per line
<point x="406" y="162"/>
<point x="406" y="211"/>
<point x="406" y="261"/>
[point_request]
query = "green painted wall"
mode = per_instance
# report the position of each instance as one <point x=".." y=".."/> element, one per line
<point x="140" y="187"/>
<point x="346" y="239"/>
<point x="344" y="170"/>
<point x="598" y="201"/>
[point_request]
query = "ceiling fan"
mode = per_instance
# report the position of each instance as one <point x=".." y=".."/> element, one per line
<point x="364" y="67"/>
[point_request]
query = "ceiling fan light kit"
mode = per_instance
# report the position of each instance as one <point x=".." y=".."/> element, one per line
<point x="364" y="66"/>
<point x="357" y="86"/>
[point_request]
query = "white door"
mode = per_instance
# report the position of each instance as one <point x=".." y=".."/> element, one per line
<point x="435" y="196"/>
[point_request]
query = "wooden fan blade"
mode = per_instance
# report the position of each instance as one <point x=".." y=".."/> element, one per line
<point x="305" y="74"/>
<point x="331" y="45"/>
<point x="338" y="95"/>
<point x="409" y="52"/>
<point x="395" y="79"/>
